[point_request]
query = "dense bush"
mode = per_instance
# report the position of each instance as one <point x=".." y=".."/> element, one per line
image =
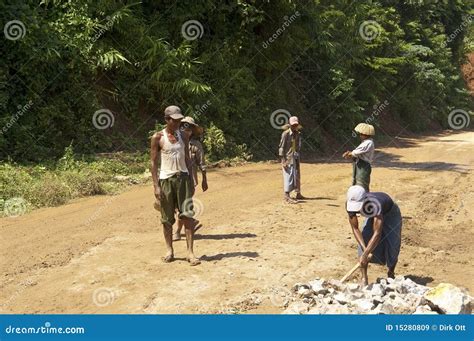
<point x="250" y="58"/>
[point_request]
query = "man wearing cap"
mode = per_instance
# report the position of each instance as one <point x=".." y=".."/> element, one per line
<point x="289" y="153"/>
<point x="196" y="153"/>
<point x="174" y="187"/>
<point x="380" y="239"/>
<point x="363" y="156"/>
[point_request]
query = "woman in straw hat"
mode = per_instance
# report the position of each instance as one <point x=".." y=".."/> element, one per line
<point x="193" y="131"/>
<point x="362" y="156"/>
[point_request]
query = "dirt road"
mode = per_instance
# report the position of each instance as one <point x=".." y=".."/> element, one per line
<point x="102" y="254"/>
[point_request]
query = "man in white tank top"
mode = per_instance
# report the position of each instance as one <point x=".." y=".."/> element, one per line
<point x="174" y="186"/>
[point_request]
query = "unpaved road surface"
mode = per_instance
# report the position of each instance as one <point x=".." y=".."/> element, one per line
<point x="102" y="254"/>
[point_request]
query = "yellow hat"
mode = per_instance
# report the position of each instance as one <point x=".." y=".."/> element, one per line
<point x="365" y="129"/>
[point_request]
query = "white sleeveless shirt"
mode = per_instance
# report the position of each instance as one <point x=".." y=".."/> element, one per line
<point x="173" y="159"/>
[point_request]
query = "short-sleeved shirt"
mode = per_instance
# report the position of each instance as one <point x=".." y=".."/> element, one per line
<point x="376" y="203"/>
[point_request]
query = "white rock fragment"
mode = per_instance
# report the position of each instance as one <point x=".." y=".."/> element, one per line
<point x="336" y="284"/>
<point x="449" y="299"/>
<point x="318" y="286"/>
<point x="353" y="287"/>
<point x="387" y="296"/>
<point x="341" y="298"/>
<point x="362" y="305"/>
<point x="397" y="305"/>
<point x="424" y="310"/>
<point x="304" y="292"/>
<point x="299" y="286"/>
<point x="375" y="289"/>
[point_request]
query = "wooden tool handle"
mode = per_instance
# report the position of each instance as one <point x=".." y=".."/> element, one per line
<point x="351" y="271"/>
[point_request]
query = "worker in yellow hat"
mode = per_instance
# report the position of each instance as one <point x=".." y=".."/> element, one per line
<point x="363" y="156"/>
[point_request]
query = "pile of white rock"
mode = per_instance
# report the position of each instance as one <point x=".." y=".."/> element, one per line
<point x="387" y="296"/>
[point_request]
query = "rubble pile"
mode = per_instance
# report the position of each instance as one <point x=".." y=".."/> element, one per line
<point x="387" y="296"/>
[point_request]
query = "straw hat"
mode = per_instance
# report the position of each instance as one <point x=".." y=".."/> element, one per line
<point x="365" y="129"/>
<point x="188" y="121"/>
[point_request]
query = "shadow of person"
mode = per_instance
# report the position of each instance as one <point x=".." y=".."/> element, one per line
<point x="315" y="198"/>
<point x="220" y="256"/>
<point x="423" y="280"/>
<point x="224" y="236"/>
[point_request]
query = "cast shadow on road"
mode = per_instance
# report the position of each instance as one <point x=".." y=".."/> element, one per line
<point x="316" y="198"/>
<point x="224" y="236"/>
<point x="389" y="160"/>
<point x="220" y="256"/>
<point x="423" y="280"/>
<point x="302" y="201"/>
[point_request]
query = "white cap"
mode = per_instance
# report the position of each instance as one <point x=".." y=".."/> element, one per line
<point x="355" y="198"/>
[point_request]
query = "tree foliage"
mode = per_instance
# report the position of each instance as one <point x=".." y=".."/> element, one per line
<point x="250" y="58"/>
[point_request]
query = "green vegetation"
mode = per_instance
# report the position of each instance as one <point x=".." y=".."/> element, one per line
<point x="329" y="62"/>
<point x="55" y="183"/>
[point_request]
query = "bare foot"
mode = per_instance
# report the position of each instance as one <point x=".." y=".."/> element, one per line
<point x="289" y="200"/>
<point x="299" y="196"/>
<point x="168" y="258"/>
<point x="176" y="236"/>
<point x="391" y="274"/>
<point x="193" y="261"/>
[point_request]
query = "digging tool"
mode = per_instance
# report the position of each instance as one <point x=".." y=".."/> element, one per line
<point x="351" y="271"/>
